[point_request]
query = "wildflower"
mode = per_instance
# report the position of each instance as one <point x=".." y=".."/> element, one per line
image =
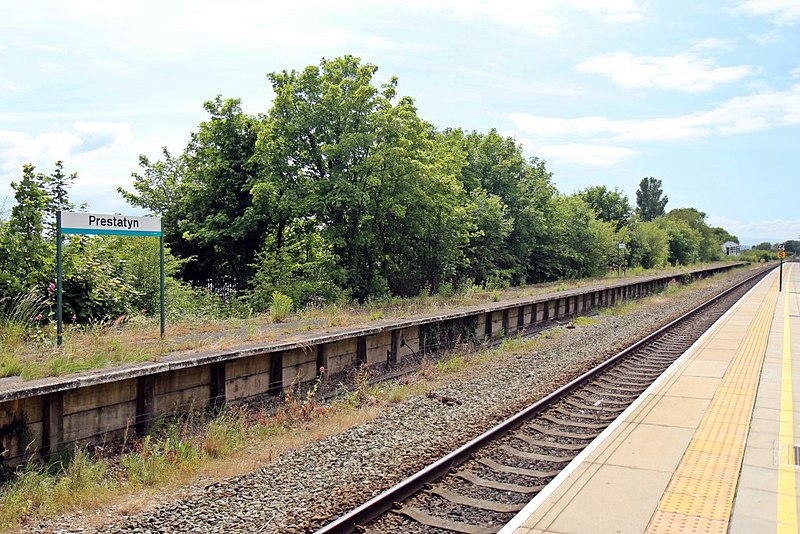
<point x="51" y="287"/>
<point x="38" y="317"/>
<point x="322" y="370"/>
<point x="74" y="317"/>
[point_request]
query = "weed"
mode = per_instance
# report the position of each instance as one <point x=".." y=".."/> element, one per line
<point x="280" y="308"/>
<point x="451" y="365"/>
<point x="582" y="320"/>
<point x="375" y="315"/>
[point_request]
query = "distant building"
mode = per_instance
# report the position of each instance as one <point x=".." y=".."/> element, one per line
<point x="729" y="248"/>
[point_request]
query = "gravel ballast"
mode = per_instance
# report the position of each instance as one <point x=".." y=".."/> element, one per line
<point x="305" y="488"/>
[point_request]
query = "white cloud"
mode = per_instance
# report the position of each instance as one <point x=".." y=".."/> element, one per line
<point x="543" y="17"/>
<point x="778" y="11"/>
<point x="768" y="38"/>
<point x="51" y="49"/>
<point x="18" y="148"/>
<point x="683" y="72"/>
<point x="587" y="154"/>
<point x="525" y="86"/>
<point x="760" y="111"/>
<point x="104" y="8"/>
<point x="712" y="43"/>
<point x="752" y="233"/>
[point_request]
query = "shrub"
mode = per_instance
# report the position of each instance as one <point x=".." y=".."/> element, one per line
<point x="280" y="308"/>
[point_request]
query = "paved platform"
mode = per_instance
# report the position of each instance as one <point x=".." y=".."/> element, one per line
<point x="713" y="446"/>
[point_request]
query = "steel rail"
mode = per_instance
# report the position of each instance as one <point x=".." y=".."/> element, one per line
<point x="380" y="504"/>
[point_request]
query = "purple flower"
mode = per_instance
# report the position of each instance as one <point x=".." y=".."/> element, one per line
<point x="74" y="317"/>
<point x="38" y="317"/>
<point x="51" y="287"/>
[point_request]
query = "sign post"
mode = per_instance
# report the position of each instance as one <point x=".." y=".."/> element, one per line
<point x="620" y="248"/>
<point x="94" y="223"/>
<point x="781" y="255"/>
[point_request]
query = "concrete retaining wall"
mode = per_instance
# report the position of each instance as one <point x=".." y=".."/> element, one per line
<point x="39" y="417"/>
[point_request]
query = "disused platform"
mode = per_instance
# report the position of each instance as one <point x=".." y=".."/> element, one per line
<point x="712" y="446"/>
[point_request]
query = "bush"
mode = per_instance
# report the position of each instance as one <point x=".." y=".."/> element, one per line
<point x="280" y="308"/>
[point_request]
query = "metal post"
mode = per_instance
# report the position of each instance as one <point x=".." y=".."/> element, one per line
<point x="619" y="265"/>
<point x="163" y="312"/>
<point x="780" y="278"/>
<point x="59" y="304"/>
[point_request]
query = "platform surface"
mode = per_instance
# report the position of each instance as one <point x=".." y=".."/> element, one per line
<point x="713" y="446"/>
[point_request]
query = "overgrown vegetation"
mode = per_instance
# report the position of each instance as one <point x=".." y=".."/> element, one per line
<point x="339" y="193"/>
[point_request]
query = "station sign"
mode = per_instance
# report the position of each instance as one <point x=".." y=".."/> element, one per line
<point x="96" y="223"/>
<point x="70" y="222"/>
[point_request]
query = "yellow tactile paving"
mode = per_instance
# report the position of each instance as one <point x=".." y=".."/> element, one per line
<point x="787" y="486"/>
<point x="699" y="497"/>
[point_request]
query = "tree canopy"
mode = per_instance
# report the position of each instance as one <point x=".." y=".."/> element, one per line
<point x="340" y="190"/>
<point x="650" y="200"/>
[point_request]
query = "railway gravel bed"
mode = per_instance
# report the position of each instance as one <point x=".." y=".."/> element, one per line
<point x="305" y="488"/>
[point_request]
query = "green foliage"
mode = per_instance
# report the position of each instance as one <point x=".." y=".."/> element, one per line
<point x="684" y="241"/>
<point x="280" y="308"/>
<point x="303" y="267"/>
<point x="609" y="206"/>
<point x="21" y="317"/>
<point x="649" y="245"/>
<point x="28" y="259"/>
<point x="709" y="247"/>
<point x="650" y="200"/>
<point x="792" y="247"/>
<point x="755" y="255"/>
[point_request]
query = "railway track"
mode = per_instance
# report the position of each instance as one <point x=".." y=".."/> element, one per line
<point x="479" y="487"/>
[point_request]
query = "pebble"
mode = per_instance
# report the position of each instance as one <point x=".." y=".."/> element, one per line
<point x="305" y="488"/>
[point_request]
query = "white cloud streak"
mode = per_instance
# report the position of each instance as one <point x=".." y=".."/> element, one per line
<point x="18" y="148"/>
<point x="778" y="11"/>
<point x="752" y="233"/>
<point x="682" y="72"/>
<point x="740" y="115"/>
<point x="542" y="17"/>
<point x="587" y="154"/>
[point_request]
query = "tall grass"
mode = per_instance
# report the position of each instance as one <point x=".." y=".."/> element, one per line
<point x="20" y="316"/>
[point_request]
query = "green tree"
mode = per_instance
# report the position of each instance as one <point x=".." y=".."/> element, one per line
<point x="158" y="187"/>
<point x="710" y="247"/>
<point x="488" y="254"/>
<point x="338" y="149"/>
<point x="609" y="205"/>
<point x="792" y="247"/>
<point x="763" y="246"/>
<point x="650" y="200"/>
<point x="649" y="245"/>
<point x="28" y="258"/>
<point x="684" y="241"/>
<point x="57" y="186"/>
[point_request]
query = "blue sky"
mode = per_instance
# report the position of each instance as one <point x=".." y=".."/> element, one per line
<point x="704" y="95"/>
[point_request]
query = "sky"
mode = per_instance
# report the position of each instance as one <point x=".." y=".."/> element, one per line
<point x="703" y="95"/>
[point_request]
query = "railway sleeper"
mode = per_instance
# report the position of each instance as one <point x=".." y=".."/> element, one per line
<point x="575" y="424"/>
<point x="511" y="470"/>
<point x="603" y="393"/>
<point x="432" y="521"/>
<point x="602" y="401"/>
<point x="471" y="477"/>
<point x="618" y="388"/>
<point x="596" y="408"/>
<point x="562" y="434"/>
<point x="535" y="455"/>
<point x="472" y="502"/>
<point x="547" y="444"/>
<point x="590" y="416"/>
